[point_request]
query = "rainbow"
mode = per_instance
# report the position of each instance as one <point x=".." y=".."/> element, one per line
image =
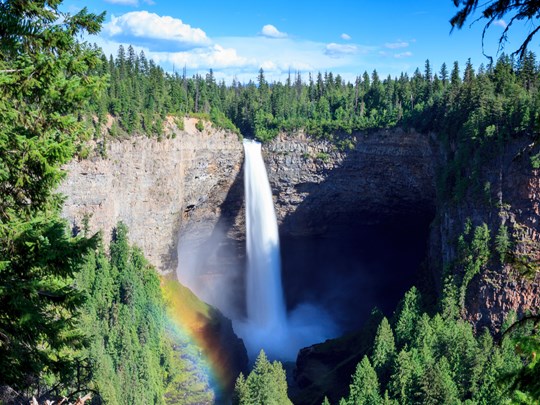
<point x="194" y="321"/>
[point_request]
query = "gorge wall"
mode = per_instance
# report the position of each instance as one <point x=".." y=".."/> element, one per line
<point x="382" y="175"/>
<point x="154" y="186"/>
<point x="509" y="197"/>
<point x="188" y="187"/>
<point x="354" y="222"/>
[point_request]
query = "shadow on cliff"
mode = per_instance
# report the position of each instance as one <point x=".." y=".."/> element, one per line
<point x="356" y="242"/>
<point x="358" y="238"/>
<point x="211" y="253"/>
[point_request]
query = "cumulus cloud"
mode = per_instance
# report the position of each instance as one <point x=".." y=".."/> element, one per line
<point x="337" y="50"/>
<point x="124" y="2"/>
<point x="154" y="31"/>
<point x="270" y="31"/>
<point x="396" y="45"/>
<point x="403" y="55"/>
<point x="500" y="23"/>
<point x="216" y="57"/>
<point x="346" y="37"/>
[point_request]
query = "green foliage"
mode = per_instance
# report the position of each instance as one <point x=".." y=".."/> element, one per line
<point x="474" y="254"/>
<point x="502" y="243"/>
<point x="496" y="10"/>
<point x="364" y="389"/>
<point x="187" y="378"/>
<point x="524" y="337"/>
<point x="535" y="161"/>
<point x="199" y="125"/>
<point x="441" y="362"/>
<point x="45" y="77"/>
<point x="124" y="320"/>
<point x="322" y="156"/>
<point x="437" y="385"/>
<point x="266" y="384"/>
<point x="384" y="348"/>
<point x="407" y="316"/>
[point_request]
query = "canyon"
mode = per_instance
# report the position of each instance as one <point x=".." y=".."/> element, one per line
<point x="370" y="206"/>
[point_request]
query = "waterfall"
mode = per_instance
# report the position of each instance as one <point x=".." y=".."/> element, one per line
<point x="268" y="326"/>
<point x="264" y="295"/>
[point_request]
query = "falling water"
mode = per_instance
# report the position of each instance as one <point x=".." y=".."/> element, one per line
<point x="268" y="326"/>
<point x="264" y="295"/>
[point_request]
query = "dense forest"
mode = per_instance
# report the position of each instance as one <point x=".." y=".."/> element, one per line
<point x="474" y="112"/>
<point x="75" y="319"/>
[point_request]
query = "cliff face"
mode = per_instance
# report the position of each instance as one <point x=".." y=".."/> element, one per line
<point x="384" y="174"/>
<point x="154" y="187"/>
<point x="511" y="199"/>
<point x="190" y="188"/>
<point x="160" y="190"/>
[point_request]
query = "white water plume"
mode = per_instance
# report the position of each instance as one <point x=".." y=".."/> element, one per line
<point x="267" y="326"/>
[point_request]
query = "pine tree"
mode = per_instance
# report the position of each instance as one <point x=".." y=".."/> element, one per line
<point x="266" y="384"/>
<point x="444" y="74"/>
<point x="384" y="348"/>
<point x="364" y="389"/>
<point x="455" y="78"/>
<point x="41" y="92"/>
<point x="438" y="386"/>
<point x="404" y="383"/>
<point x="407" y="316"/>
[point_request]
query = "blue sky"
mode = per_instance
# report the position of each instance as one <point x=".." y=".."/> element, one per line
<point x="348" y="37"/>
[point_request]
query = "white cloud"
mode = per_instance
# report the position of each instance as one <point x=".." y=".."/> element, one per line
<point x="124" y="2"/>
<point x="144" y="28"/>
<point x="270" y="31"/>
<point x="500" y="23"/>
<point x="346" y="37"/>
<point x="396" y="45"/>
<point x="403" y="55"/>
<point x="215" y="57"/>
<point x="338" y="50"/>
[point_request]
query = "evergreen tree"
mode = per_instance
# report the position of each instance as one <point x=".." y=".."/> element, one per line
<point x="407" y="316"/>
<point x="444" y="74"/>
<point x="384" y="348"/>
<point x="438" y="386"/>
<point x="266" y="384"/>
<point x="364" y="388"/>
<point x="129" y="356"/>
<point x="41" y="66"/>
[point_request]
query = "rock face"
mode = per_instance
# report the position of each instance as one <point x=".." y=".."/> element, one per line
<point x="385" y="174"/>
<point x="161" y="190"/>
<point x="510" y="198"/>
<point x="352" y="219"/>
<point x="155" y="187"/>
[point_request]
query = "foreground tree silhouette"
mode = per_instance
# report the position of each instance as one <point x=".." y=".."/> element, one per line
<point x="493" y="10"/>
<point x="44" y="81"/>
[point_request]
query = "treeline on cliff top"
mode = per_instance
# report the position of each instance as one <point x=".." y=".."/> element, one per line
<point x="498" y="101"/>
<point x="474" y="112"/>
